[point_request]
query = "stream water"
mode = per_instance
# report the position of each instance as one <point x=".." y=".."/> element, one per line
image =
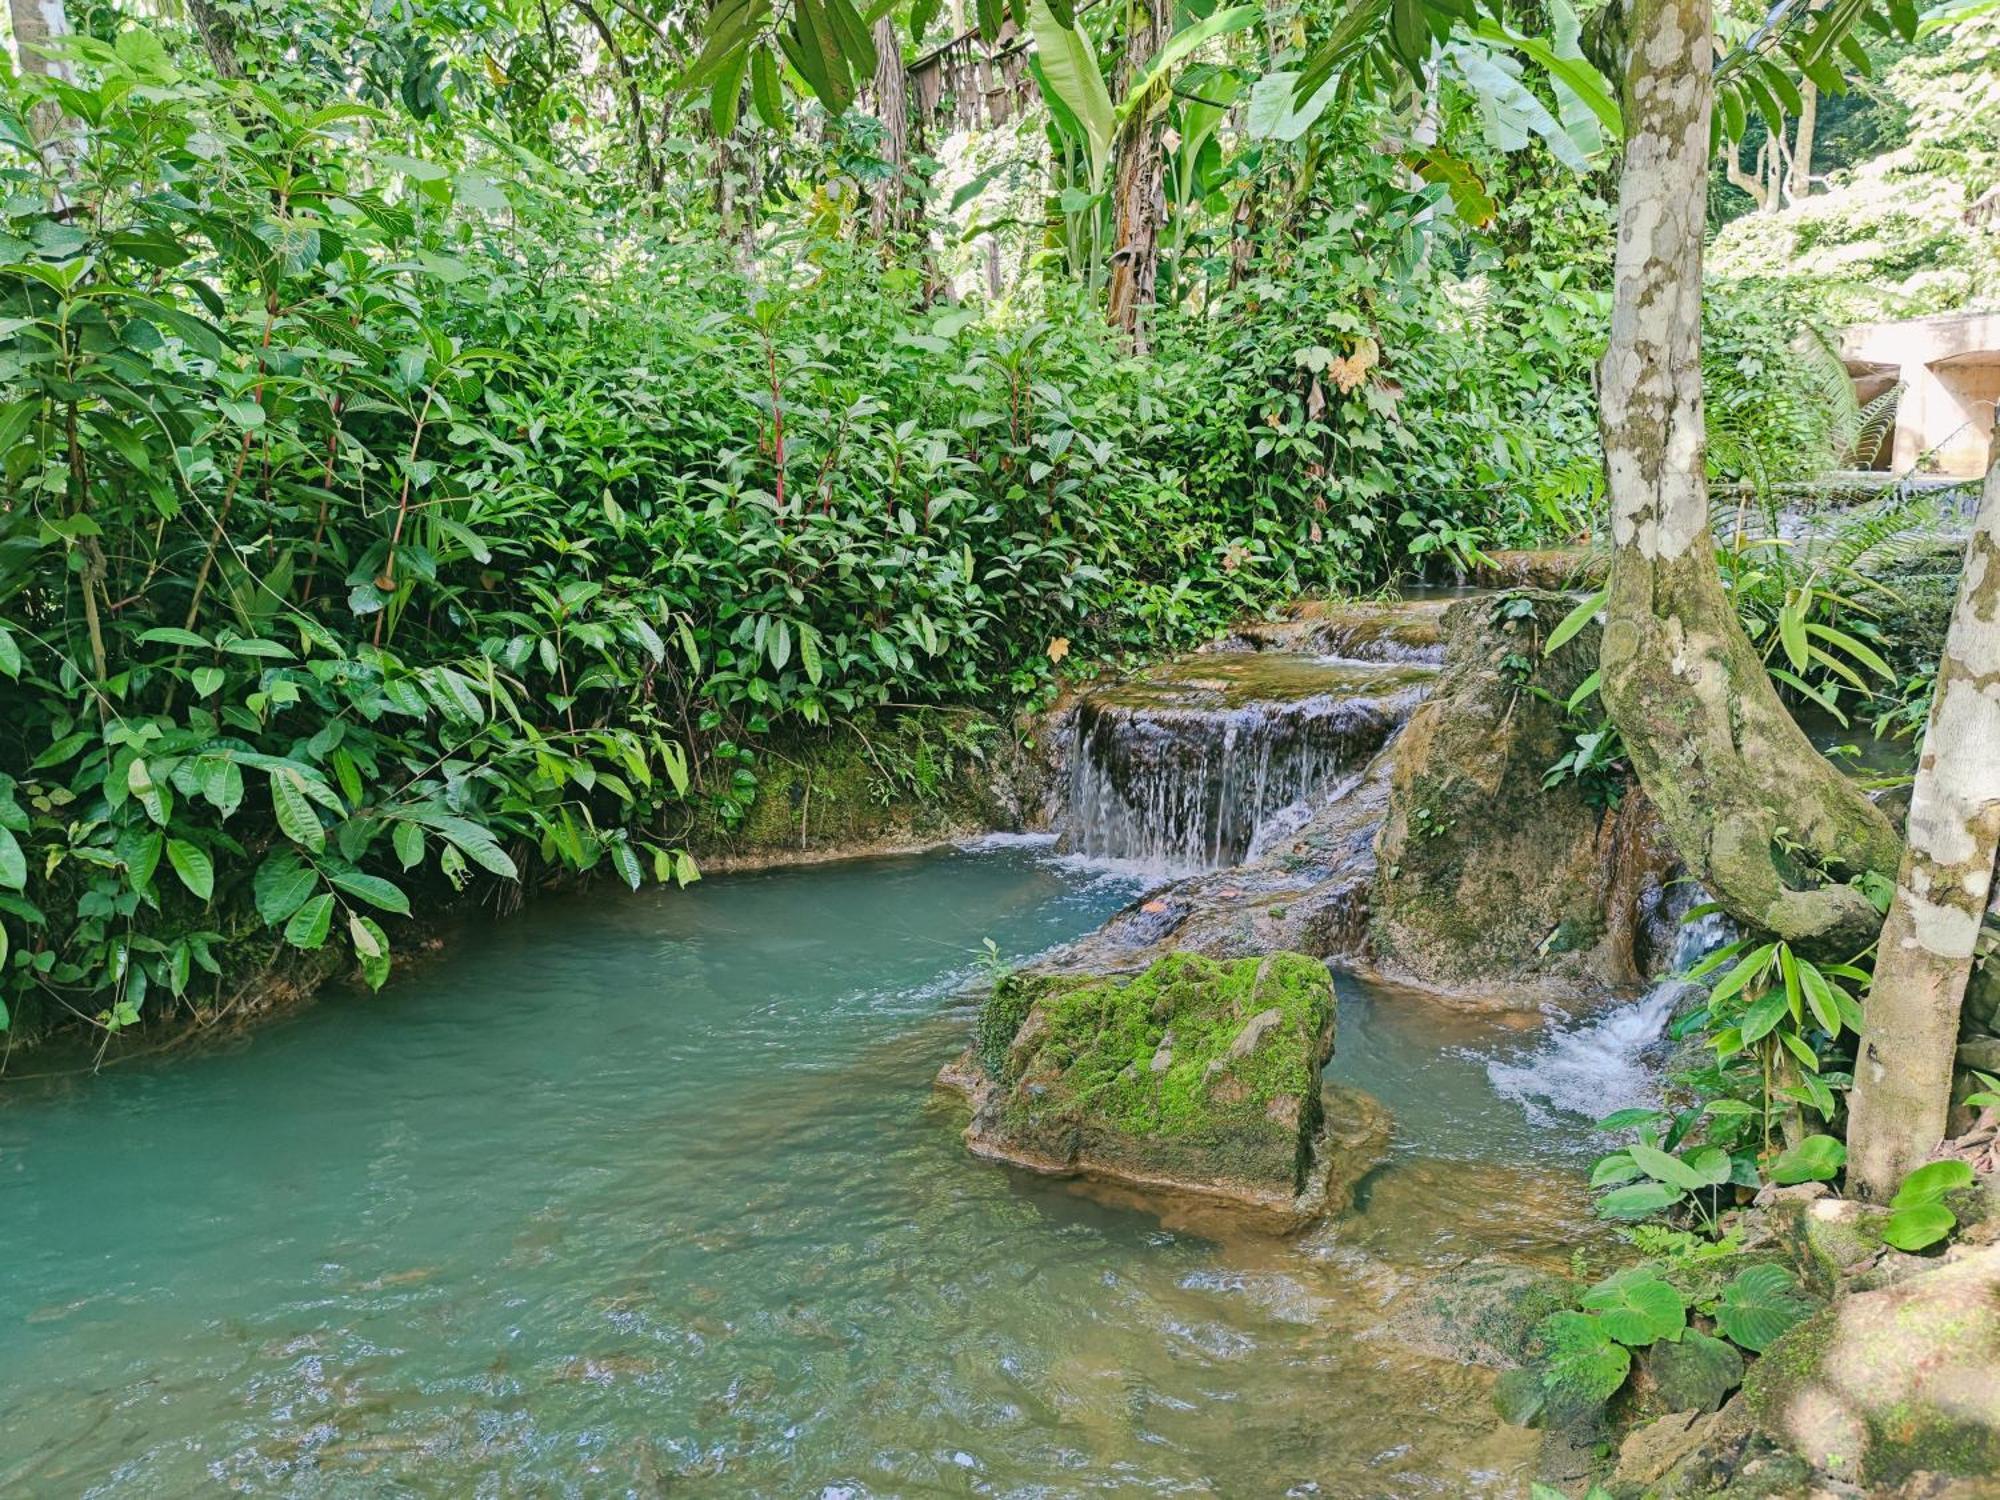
<point x="651" y="1195"/>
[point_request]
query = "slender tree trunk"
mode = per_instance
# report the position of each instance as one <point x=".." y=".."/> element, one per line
<point x="217" y="30"/>
<point x="1728" y="770"/>
<point x="642" y="141"/>
<point x="892" y="105"/>
<point x="1751" y="182"/>
<point x="1902" y="1080"/>
<point x="37" y="23"/>
<point x="1799" y="185"/>
<point x="1139" y="193"/>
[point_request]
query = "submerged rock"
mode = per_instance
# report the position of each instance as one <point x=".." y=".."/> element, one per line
<point x="1194" y="1077"/>
<point x="1484" y="1312"/>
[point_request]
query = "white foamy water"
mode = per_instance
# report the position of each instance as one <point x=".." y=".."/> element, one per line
<point x="1611" y="1061"/>
<point x="1594" y="1068"/>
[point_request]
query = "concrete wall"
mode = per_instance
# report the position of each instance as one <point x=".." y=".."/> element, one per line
<point x="1949" y="367"/>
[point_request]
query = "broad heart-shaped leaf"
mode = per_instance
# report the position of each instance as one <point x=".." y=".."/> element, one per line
<point x="282" y="884"/>
<point x="1761" y="1303"/>
<point x="1638" y="1201"/>
<point x="1931" y="1182"/>
<point x="1918" y="1226"/>
<point x="1710" y="1163"/>
<point x="1584" y="1364"/>
<point x="193" y="866"/>
<point x="1694" y="1372"/>
<point x="1815" y="1159"/>
<point x="1636" y="1306"/>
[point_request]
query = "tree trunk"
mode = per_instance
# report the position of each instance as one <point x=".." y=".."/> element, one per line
<point x="1139" y="193"/>
<point x="1751" y="183"/>
<point x="1717" y="754"/>
<point x="892" y="105"/>
<point x="217" y="30"/>
<point x="1902" y="1080"/>
<point x="1799" y="185"/>
<point x="37" y="23"/>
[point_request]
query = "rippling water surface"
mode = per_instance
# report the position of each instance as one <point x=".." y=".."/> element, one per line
<point x="649" y="1195"/>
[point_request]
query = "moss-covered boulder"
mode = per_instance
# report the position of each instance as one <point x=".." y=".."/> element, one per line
<point x="1197" y="1076"/>
<point x="1895" y="1382"/>
<point x="885" y="783"/>
<point x="1488" y="878"/>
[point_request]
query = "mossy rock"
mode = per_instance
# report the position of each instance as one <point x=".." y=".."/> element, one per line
<point x="880" y="784"/>
<point x="1485" y="875"/>
<point x="1895" y="1382"/>
<point x="1197" y="1075"/>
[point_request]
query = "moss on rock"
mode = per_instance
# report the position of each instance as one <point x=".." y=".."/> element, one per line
<point x="879" y="784"/>
<point x="1196" y="1074"/>
<point x="1891" y="1383"/>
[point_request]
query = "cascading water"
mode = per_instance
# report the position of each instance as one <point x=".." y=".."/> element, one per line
<point x="1188" y="769"/>
<point x="1606" y="1063"/>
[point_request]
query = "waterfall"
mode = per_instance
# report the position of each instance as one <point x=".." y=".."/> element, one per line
<point x="1198" y="771"/>
<point x="1607" y="1063"/>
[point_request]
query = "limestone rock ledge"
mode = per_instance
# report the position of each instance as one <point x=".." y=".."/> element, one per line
<point x="1195" y="1078"/>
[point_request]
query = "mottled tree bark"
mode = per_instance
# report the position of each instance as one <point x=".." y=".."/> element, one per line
<point x="37" y="23"/>
<point x="1758" y="815"/>
<point x="1902" y="1080"/>
<point x="1139" y="193"/>
<point x="892" y="105"/>
<point x="217" y="30"/>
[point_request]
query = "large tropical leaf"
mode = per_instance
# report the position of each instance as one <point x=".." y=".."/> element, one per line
<point x="1069" y="70"/>
<point x="1148" y="94"/>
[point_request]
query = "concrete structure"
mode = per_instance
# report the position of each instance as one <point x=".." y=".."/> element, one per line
<point x="1949" y="368"/>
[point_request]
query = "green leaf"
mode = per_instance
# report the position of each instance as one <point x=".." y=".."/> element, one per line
<point x="193" y="866"/>
<point x="1636" y="1306"/>
<point x="377" y="892"/>
<point x="1584" y="1365"/>
<point x="206" y="680"/>
<point x="1817" y="1158"/>
<point x="296" y="816"/>
<point x="1759" y="1305"/>
<point x="1639" y="1201"/>
<point x="726" y="96"/>
<point x="139" y="779"/>
<point x="408" y="842"/>
<point x="626" y="862"/>
<point x="1918" y="1226"/>
<point x="1626" y="1119"/>
<point x="282" y="884"/>
<point x="1763" y="1014"/>
<point x="310" y="923"/>
<point x="1664" y="1166"/>
<point x="1694" y="1372"/>
<point x="1070" y="66"/>
<point x="371" y="949"/>
<point x="13" y="863"/>
<point x="767" y="94"/>
<point x="10" y="654"/>
<point x="1930" y="1182"/>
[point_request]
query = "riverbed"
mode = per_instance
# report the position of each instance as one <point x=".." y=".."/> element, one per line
<point x="651" y="1195"/>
